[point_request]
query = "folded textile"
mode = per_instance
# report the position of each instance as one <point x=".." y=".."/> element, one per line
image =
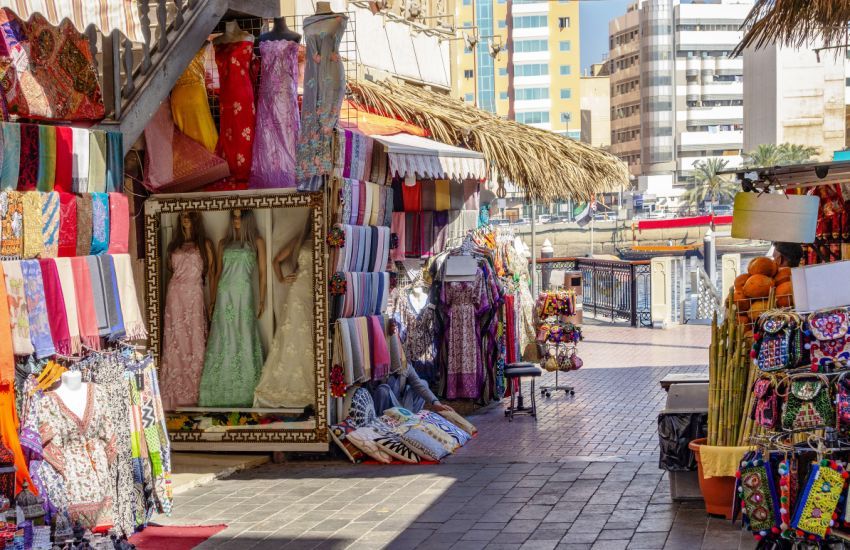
<point x="84" y="224"/>
<point x="33" y="239"/>
<point x="67" y="242"/>
<point x="46" y="157"/>
<point x="55" y="300"/>
<point x="365" y="294"/>
<point x="134" y="323"/>
<point x="366" y="248"/>
<point x="99" y="223"/>
<point x="397" y="228"/>
<point x="412" y="231"/>
<point x="7" y="349"/>
<point x="11" y="224"/>
<point x="114" y="162"/>
<point x="97" y="161"/>
<point x="64" y="159"/>
<point x="721" y="461"/>
<point x="426" y="233"/>
<point x="119" y="224"/>
<point x="412" y="196"/>
<point x="378" y="346"/>
<point x="429" y="195"/>
<point x="40" y="334"/>
<point x="28" y="163"/>
<point x="87" y="306"/>
<point x="456" y="196"/>
<point x="388" y="206"/>
<point x="11" y="155"/>
<point x="99" y="294"/>
<point x="80" y="160"/>
<point x="18" y="313"/>
<point x="444" y="195"/>
<point x="441" y="231"/>
<point x="69" y="295"/>
<point x="470" y="195"/>
<point x="113" y="298"/>
<point x="50" y="224"/>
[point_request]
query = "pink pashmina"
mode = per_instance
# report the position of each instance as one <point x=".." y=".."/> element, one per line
<point x="119" y="224"/>
<point x="86" y="314"/>
<point x="378" y="344"/>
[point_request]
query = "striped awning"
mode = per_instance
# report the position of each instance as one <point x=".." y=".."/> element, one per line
<point x="409" y="154"/>
<point x="105" y="15"/>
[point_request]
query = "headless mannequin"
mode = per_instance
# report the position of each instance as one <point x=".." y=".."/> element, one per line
<point x="73" y="392"/>
<point x="280" y="32"/>
<point x="418" y="298"/>
<point x="232" y="33"/>
<point x="323" y="8"/>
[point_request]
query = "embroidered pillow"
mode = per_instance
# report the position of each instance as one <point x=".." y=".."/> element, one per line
<point x="459" y="436"/>
<point x="391" y="443"/>
<point x="364" y="439"/>
<point x="400" y="414"/>
<point x="459" y="421"/>
<point x="362" y="410"/>
<point x="423" y="444"/>
<point x="339" y="434"/>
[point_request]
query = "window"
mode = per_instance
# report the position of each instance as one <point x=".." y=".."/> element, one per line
<point x="502" y="24"/>
<point x="565" y="45"/>
<point x="566" y="70"/>
<point x="528" y="94"/>
<point x="503" y="71"/>
<point x="566" y="93"/>
<point x="528" y="46"/>
<point x="467" y="2"/>
<point x="467" y="73"/>
<point x="503" y="95"/>
<point x="533" y="117"/>
<point x="563" y="23"/>
<point x="469" y="98"/>
<point x="531" y="69"/>
<point x="531" y="21"/>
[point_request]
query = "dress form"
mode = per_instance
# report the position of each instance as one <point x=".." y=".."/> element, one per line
<point x="323" y="8"/>
<point x="418" y="298"/>
<point x="280" y="31"/>
<point x="73" y="392"/>
<point x="232" y="33"/>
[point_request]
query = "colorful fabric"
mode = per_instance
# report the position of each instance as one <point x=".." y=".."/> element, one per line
<point x="11" y="224"/>
<point x="87" y="315"/>
<point x="189" y="106"/>
<point x="18" y="314"/>
<point x="67" y="241"/>
<point x="11" y="155"/>
<point x="28" y="164"/>
<point x="69" y="295"/>
<point x="64" y="159"/>
<point x="412" y="196"/>
<point x="235" y="61"/>
<point x="99" y="223"/>
<point x="119" y="224"/>
<point x="84" y="224"/>
<point x="758" y="495"/>
<point x="99" y="293"/>
<point x="55" y="299"/>
<point x="46" y="157"/>
<point x="9" y="426"/>
<point x="131" y="314"/>
<point x="50" y="224"/>
<point x="97" y="161"/>
<point x="113" y="297"/>
<point x="114" y="162"/>
<point x="818" y="500"/>
<point x="33" y="238"/>
<point x="7" y="350"/>
<point x="444" y="195"/>
<point x="40" y="334"/>
<point x="470" y="195"/>
<point x="429" y="195"/>
<point x="80" y="160"/>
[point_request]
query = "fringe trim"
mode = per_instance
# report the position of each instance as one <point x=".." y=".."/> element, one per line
<point x="92" y="342"/>
<point x="76" y="345"/>
<point x="136" y="331"/>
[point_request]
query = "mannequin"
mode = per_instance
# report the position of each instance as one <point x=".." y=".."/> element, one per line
<point x="73" y="392"/>
<point x="232" y="33"/>
<point x="323" y="8"/>
<point x="280" y="31"/>
<point x="418" y="297"/>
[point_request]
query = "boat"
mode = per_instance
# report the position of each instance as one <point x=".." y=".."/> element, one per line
<point x="646" y="252"/>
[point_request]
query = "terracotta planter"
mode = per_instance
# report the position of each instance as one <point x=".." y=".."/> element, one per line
<point x="717" y="492"/>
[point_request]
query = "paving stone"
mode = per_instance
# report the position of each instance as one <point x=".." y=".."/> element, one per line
<point x="650" y="541"/>
<point x="521" y="526"/>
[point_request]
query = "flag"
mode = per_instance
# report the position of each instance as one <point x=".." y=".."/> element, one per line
<point x="585" y="216"/>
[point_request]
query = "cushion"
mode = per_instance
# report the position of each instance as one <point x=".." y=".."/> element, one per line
<point x="362" y="410"/>
<point x="400" y="414"/>
<point x="423" y="444"/>
<point x="459" y="421"/>
<point x="459" y="436"/>
<point x="364" y="439"/>
<point x="523" y="371"/>
<point x="445" y="440"/>
<point x="339" y="434"/>
<point x="391" y="443"/>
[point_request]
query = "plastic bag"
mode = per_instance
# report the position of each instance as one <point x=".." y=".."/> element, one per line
<point x="675" y="431"/>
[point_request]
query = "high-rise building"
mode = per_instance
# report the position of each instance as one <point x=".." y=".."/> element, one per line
<point x="522" y="61"/>
<point x="596" y="106"/>
<point x="671" y="72"/>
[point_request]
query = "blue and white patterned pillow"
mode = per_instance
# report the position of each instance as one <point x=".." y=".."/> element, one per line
<point x="460" y="436"/>
<point x="423" y="444"/>
<point x="362" y="410"/>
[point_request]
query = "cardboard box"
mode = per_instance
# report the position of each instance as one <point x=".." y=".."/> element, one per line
<point x="821" y="286"/>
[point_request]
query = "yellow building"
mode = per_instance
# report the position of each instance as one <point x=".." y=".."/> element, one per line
<point x="524" y="63"/>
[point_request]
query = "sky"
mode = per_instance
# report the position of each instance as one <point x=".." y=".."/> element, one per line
<point x="593" y="20"/>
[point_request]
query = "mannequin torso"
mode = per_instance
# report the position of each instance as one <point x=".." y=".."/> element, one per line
<point x="73" y="393"/>
<point x="280" y="31"/>
<point x="418" y="298"/>
<point x="232" y="33"/>
<point x="323" y="8"/>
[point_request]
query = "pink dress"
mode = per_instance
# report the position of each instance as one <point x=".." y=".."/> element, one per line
<point x="278" y="120"/>
<point x="185" y="331"/>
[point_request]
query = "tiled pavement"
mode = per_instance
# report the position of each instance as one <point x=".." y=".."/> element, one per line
<point x="584" y="475"/>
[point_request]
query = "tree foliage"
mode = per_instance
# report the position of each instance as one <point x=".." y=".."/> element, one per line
<point x="709" y="185"/>
<point x="770" y="154"/>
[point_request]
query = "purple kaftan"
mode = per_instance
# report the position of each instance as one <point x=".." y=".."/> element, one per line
<point x="465" y="368"/>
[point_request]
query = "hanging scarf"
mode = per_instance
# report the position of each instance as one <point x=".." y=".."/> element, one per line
<point x="114" y="162"/>
<point x="134" y="324"/>
<point x="119" y="224"/>
<point x="345" y="351"/>
<point x="7" y="350"/>
<point x="67" y="245"/>
<point x="33" y="240"/>
<point x="18" y="313"/>
<point x="397" y="228"/>
<point x="86" y="304"/>
<point x="50" y="224"/>
<point x="55" y="300"/>
<point x="69" y="295"/>
<point x="46" y="157"/>
<point x="99" y="295"/>
<point x="99" y="223"/>
<point x="113" y="299"/>
<point x="356" y="352"/>
<point x="80" y="166"/>
<point x="84" y="224"/>
<point x="11" y="224"/>
<point x="444" y="195"/>
<point x="11" y="155"/>
<point x="97" y="161"/>
<point x="28" y="167"/>
<point x="64" y="158"/>
<point x="40" y="334"/>
<point x="378" y="346"/>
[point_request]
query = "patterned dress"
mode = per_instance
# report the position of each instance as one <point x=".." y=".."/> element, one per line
<point x="185" y="331"/>
<point x="234" y="356"/>
<point x="236" y="105"/>
<point x="465" y="368"/>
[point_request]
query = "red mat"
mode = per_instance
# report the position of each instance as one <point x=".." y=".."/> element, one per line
<point x="158" y="537"/>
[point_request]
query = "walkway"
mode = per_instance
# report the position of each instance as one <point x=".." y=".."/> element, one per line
<point x="585" y="475"/>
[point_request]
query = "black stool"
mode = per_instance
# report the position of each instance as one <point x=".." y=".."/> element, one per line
<point x="517" y="371"/>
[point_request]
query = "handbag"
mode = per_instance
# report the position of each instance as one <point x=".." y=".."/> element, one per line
<point x="808" y="405"/>
<point x="779" y="341"/>
<point x="842" y="402"/>
<point x="830" y="341"/>
<point x="757" y="491"/>
<point x="576" y="362"/>
<point x="819" y="499"/>
<point x="765" y="411"/>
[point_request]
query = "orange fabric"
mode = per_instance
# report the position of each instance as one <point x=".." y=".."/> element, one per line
<point x="7" y="354"/>
<point x="9" y="425"/>
<point x="353" y="115"/>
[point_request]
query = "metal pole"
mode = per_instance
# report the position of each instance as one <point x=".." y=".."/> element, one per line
<point x="533" y="247"/>
<point x="591" y="234"/>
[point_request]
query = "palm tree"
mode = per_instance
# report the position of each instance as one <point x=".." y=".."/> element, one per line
<point x="709" y="184"/>
<point x="766" y="154"/>
<point x="797" y="154"/>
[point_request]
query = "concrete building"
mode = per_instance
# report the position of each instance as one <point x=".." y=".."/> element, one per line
<point x="523" y="61"/>
<point x="792" y="97"/>
<point x="624" y="69"/>
<point x="596" y="107"/>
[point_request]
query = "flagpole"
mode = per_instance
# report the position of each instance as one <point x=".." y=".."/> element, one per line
<point x="591" y="233"/>
<point x="533" y="247"/>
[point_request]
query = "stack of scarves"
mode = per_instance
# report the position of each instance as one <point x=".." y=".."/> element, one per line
<point x="60" y="158"/>
<point x="364" y="203"/>
<point x="430" y="233"/>
<point x="365" y="294"/>
<point x="365" y="249"/>
<point x="363" y="350"/>
<point x="435" y="195"/>
<point x="49" y="225"/>
<point x="354" y="155"/>
<point x="55" y="305"/>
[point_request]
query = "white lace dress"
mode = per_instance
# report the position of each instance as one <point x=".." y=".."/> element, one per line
<point x="288" y="377"/>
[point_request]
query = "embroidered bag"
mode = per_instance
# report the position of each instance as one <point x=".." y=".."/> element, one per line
<point x="808" y="405"/>
<point x="819" y="499"/>
<point x="842" y="402"/>
<point x="830" y="340"/>
<point x="766" y="403"/>
<point x="757" y="492"/>
<point x="779" y="341"/>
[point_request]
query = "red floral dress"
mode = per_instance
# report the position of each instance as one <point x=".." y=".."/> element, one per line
<point x="236" y="69"/>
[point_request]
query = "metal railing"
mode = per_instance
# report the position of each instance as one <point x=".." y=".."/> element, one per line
<point x="613" y="289"/>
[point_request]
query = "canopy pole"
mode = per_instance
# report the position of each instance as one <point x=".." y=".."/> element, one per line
<point x="533" y="247"/>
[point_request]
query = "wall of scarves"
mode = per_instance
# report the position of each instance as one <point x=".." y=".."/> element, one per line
<point x="60" y="158"/>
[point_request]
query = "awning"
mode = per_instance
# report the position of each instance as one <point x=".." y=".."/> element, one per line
<point x="105" y="15"/>
<point x="427" y="158"/>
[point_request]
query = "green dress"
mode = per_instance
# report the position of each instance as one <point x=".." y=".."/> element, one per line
<point x="234" y="356"/>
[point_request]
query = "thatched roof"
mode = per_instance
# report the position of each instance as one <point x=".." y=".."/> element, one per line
<point x="544" y="165"/>
<point x="794" y="23"/>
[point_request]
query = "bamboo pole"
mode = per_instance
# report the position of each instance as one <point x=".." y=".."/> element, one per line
<point x="712" y="383"/>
